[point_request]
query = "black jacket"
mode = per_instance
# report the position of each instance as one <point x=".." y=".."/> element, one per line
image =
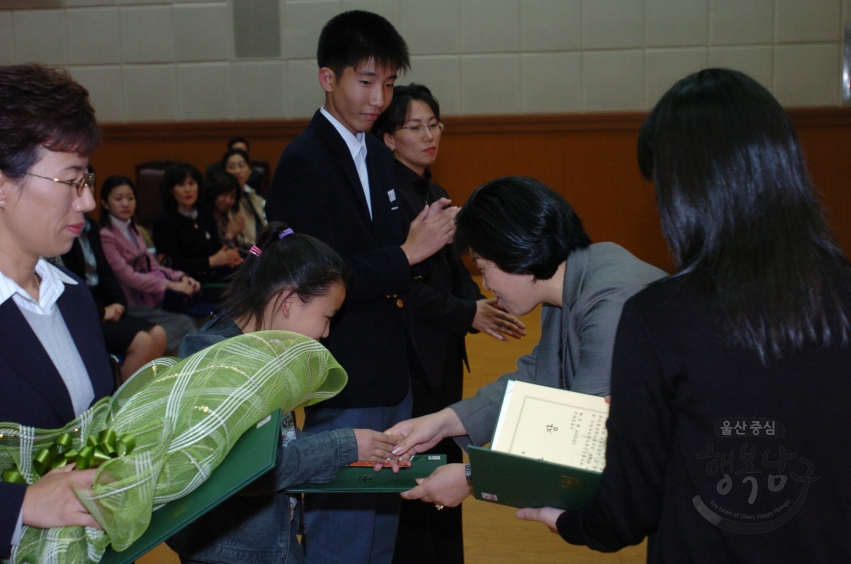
<point x="443" y="293"/>
<point x="316" y="190"/>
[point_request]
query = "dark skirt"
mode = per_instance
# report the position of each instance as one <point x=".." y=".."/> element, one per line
<point x="119" y="334"/>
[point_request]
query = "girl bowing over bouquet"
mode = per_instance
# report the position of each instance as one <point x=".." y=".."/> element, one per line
<point x="288" y="282"/>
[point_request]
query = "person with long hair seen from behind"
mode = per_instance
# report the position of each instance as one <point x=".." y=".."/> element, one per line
<point x="149" y="286"/>
<point x="730" y="379"/>
<point x="289" y="282"/>
<point x="447" y="304"/>
<point x="53" y="360"/>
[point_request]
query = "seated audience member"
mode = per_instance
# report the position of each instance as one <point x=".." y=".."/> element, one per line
<point x="289" y="282"/>
<point x="53" y="361"/>
<point x="447" y="304"/>
<point x="754" y="327"/>
<point x="256" y="178"/>
<point x="187" y="234"/>
<point x="531" y="249"/>
<point x="137" y="340"/>
<point x="145" y="282"/>
<point x="251" y="204"/>
<point x="223" y="197"/>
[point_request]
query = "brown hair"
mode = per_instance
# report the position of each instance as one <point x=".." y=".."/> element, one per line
<point x="42" y="107"/>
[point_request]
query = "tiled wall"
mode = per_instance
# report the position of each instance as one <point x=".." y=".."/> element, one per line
<point x="158" y="60"/>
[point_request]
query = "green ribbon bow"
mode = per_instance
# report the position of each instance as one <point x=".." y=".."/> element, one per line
<point x="97" y="451"/>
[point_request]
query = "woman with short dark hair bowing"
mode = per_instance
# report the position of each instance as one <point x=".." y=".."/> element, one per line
<point x="730" y="379"/>
<point x="53" y="361"/>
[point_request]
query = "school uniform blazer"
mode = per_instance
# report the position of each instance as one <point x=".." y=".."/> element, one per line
<point x="316" y="191"/>
<point x="141" y="288"/>
<point x="577" y="339"/>
<point x="34" y="393"/>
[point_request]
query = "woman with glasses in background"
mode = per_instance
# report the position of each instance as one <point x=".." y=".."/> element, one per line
<point x="53" y="361"/>
<point x="447" y="305"/>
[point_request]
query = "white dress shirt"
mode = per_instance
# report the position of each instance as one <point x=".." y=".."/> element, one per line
<point x="357" y="146"/>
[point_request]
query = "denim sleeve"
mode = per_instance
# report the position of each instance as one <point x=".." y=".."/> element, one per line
<point x="308" y="458"/>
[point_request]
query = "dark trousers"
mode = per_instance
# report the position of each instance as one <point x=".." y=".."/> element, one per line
<point x="426" y="535"/>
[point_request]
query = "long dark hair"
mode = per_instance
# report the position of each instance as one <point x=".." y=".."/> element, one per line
<point x="106" y="188"/>
<point x="219" y="183"/>
<point x="521" y="225"/>
<point x="741" y="216"/>
<point x="174" y="175"/>
<point x="292" y="261"/>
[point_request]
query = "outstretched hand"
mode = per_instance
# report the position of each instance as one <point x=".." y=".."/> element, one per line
<point x="422" y="433"/>
<point x="446" y="486"/>
<point x="546" y="515"/>
<point x="492" y="320"/>
<point x="373" y="446"/>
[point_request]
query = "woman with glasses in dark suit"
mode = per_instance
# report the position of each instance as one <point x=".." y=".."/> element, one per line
<point x="447" y="305"/>
<point x="53" y="361"/>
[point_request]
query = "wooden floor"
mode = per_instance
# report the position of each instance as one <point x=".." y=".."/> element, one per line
<point x="492" y="534"/>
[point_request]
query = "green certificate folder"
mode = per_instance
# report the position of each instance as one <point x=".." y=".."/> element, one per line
<point x="357" y="479"/>
<point x="519" y="481"/>
<point x="542" y="436"/>
<point x="252" y="456"/>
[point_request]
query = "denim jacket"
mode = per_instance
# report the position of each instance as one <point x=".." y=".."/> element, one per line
<point x="256" y="525"/>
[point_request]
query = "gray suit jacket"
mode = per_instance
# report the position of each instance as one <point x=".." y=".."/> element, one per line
<point x="575" y="350"/>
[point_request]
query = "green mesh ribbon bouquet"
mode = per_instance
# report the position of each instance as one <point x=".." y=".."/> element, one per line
<point x="162" y="434"/>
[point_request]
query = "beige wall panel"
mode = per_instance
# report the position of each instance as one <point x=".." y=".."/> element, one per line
<point x="104" y="86"/>
<point x="613" y="80"/>
<point x="258" y="89"/>
<point x="304" y="21"/>
<point x="150" y="92"/>
<point x="202" y="32"/>
<point x="551" y="25"/>
<point x="675" y="23"/>
<point x="94" y="36"/>
<point x="7" y="34"/>
<point x="490" y="84"/>
<point x="40" y="36"/>
<point x="808" y="20"/>
<point x="755" y="62"/>
<point x="551" y="82"/>
<point x="430" y="28"/>
<point x="203" y="91"/>
<point x="304" y="95"/>
<point x="807" y="75"/>
<point x="612" y="24"/>
<point x="490" y="26"/>
<point x="147" y="34"/>
<point x="442" y="75"/>
<point x="741" y="22"/>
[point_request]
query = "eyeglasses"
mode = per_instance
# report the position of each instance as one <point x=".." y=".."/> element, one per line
<point x="240" y="165"/>
<point x="432" y="128"/>
<point x="87" y="181"/>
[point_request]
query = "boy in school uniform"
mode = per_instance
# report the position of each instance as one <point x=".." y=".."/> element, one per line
<point x="337" y="183"/>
